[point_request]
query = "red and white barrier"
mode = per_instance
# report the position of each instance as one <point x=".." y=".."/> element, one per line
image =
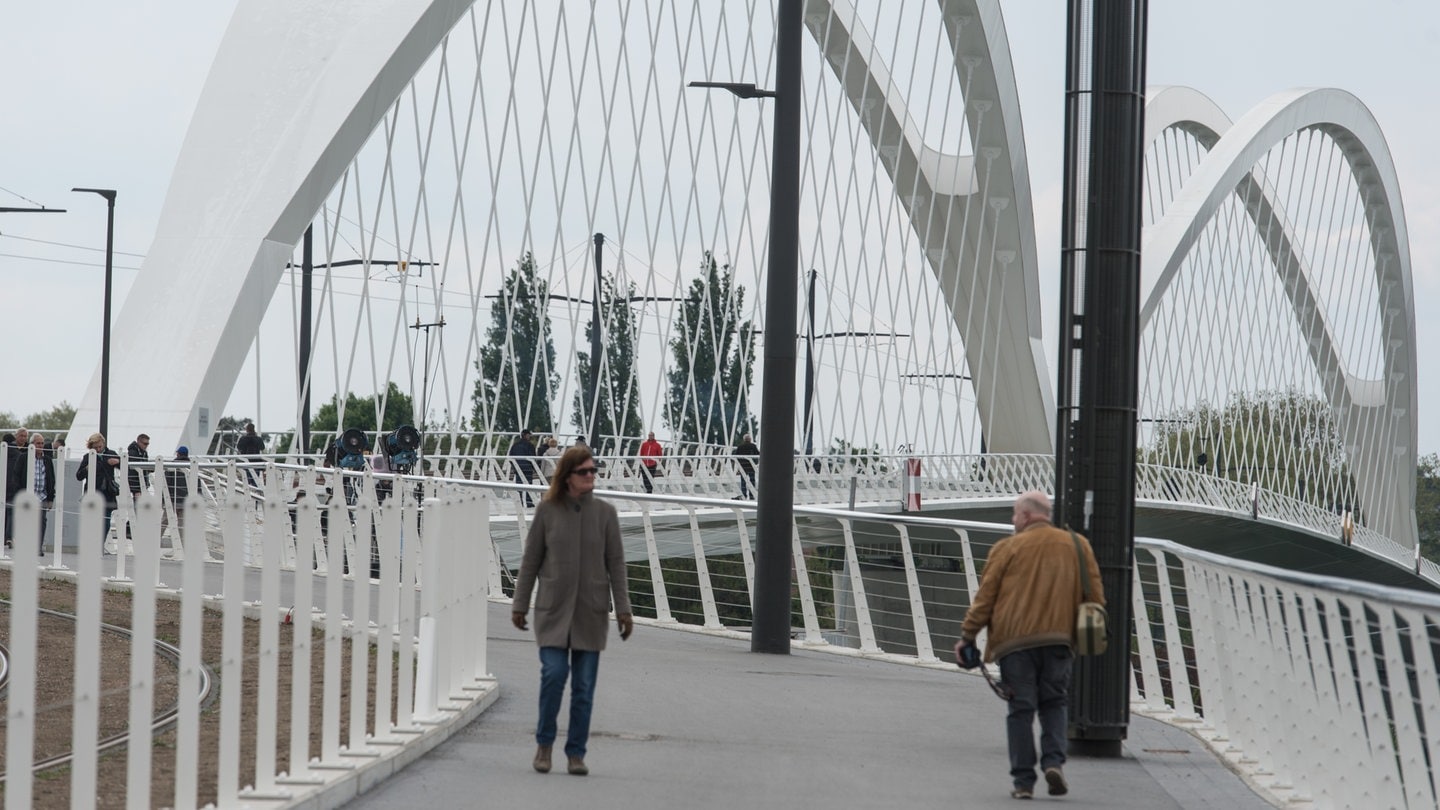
<point x="911" y="501"/>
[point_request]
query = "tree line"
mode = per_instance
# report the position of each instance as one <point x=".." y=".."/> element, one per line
<point x="712" y="356"/>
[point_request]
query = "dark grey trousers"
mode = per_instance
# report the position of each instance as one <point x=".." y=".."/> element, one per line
<point x="1040" y="678"/>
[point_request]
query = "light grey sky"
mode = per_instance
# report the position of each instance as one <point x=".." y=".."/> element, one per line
<point x="100" y="94"/>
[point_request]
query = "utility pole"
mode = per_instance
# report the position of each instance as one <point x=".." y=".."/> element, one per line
<point x="307" y="273"/>
<point x="109" y="195"/>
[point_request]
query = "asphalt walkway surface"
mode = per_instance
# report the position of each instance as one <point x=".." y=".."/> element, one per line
<point x="690" y="720"/>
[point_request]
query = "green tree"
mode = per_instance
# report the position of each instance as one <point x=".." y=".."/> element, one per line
<point x="1427" y="505"/>
<point x="516" y="369"/>
<point x="361" y="412"/>
<point x="1285" y="441"/>
<point x="9" y="420"/>
<point x="712" y="354"/>
<point x="619" y="390"/>
<point x="57" y="418"/>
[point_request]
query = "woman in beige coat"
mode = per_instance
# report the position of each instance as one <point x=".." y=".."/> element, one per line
<point x="574" y="552"/>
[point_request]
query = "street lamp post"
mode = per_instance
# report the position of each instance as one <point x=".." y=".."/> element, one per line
<point x="307" y="273"/>
<point x="109" y="195"/>
<point x="594" y="428"/>
<point x="775" y="510"/>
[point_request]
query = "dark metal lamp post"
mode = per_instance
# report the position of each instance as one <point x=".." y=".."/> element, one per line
<point x="109" y="195"/>
<point x="770" y="626"/>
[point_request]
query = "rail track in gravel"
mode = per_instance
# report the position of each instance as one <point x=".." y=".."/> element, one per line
<point x="163" y="719"/>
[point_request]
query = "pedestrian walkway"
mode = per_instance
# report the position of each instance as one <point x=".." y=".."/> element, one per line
<point x="690" y="720"/>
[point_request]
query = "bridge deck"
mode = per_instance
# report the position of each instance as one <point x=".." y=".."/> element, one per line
<point x="684" y="719"/>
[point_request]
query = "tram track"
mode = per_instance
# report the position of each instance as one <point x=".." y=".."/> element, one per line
<point x="162" y="721"/>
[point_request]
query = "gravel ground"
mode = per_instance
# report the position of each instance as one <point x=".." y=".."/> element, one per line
<point x="55" y="697"/>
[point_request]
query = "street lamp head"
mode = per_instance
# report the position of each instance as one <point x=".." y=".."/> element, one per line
<point x="741" y="89"/>
<point x="107" y="193"/>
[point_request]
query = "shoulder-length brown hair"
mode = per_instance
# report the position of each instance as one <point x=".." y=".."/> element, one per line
<point x="560" y="481"/>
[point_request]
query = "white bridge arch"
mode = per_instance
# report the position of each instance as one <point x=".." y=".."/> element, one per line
<point x="1376" y="416"/>
<point x="298" y="89"/>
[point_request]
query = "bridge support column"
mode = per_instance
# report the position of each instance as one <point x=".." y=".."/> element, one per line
<point x="1100" y="334"/>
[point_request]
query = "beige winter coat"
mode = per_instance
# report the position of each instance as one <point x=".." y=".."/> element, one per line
<point x="574" y="554"/>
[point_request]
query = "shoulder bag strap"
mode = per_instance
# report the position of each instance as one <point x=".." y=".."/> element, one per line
<point x="1080" y="567"/>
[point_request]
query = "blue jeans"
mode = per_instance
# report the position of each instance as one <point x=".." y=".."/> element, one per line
<point x="1040" y="678"/>
<point x="581" y="666"/>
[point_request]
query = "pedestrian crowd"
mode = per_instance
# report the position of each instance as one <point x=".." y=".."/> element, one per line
<point x="42" y="479"/>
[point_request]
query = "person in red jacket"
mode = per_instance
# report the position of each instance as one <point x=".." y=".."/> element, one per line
<point x="1029" y="596"/>
<point x="650" y="453"/>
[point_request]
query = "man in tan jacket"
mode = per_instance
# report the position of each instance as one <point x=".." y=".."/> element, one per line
<point x="1029" y="595"/>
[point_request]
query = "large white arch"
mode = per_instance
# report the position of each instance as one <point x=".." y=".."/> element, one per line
<point x="963" y="207"/>
<point x="1389" y="486"/>
<point x="296" y="88"/>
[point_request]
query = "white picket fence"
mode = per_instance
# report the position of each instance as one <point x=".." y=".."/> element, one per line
<point x="426" y="612"/>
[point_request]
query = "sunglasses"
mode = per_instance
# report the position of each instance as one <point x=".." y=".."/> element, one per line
<point x="583" y="471"/>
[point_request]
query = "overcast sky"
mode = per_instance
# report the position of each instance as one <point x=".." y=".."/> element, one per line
<point x="100" y="94"/>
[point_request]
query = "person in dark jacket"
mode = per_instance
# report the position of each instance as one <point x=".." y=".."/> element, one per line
<point x="746" y="454"/>
<point x="522" y="461"/>
<point x="251" y="445"/>
<point x="574" y="554"/>
<point x="139" y="450"/>
<point x="106" y="461"/>
<point x="44" y="472"/>
<point x="178" y="486"/>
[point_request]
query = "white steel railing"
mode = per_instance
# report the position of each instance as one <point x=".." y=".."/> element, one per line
<point x="870" y="481"/>
<point x="1324" y="689"/>
<point x="425" y="610"/>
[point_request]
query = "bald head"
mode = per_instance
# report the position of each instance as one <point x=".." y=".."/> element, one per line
<point x="1031" y="507"/>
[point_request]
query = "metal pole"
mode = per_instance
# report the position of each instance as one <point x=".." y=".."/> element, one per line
<point x="109" y="195"/>
<point x="810" y="371"/>
<point x="770" y="631"/>
<point x="1105" y="157"/>
<point x="307" y="274"/>
<point x="594" y="435"/>
<point x="105" y="341"/>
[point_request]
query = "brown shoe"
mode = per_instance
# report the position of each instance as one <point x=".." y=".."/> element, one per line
<point x="1055" y="779"/>
<point x="577" y="766"/>
<point x="542" y="759"/>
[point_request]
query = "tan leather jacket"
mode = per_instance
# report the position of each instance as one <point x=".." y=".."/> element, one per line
<point x="1029" y="591"/>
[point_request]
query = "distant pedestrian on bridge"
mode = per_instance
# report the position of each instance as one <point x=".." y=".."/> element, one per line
<point x="1029" y="597"/>
<point x="105" y="460"/>
<point x="574" y="553"/>
<point x="522" y="461"/>
<point x="650" y="452"/>
<point x="251" y="445"/>
<point x="746" y="454"/>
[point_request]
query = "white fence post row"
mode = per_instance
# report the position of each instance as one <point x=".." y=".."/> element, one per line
<point x="142" y="651"/>
<point x="409" y="562"/>
<point x="85" y="725"/>
<point x="359" y="635"/>
<point x="307" y="529"/>
<point x="335" y="549"/>
<point x="232" y="532"/>
<point x="657" y="574"/>
<point x="20" y="701"/>
<point x="187" y="729"/>
<point x="924" y="647"/>
<point x="385" y="611"/>
<point x="267" y="696"/>
<point x="427" y="654"/>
